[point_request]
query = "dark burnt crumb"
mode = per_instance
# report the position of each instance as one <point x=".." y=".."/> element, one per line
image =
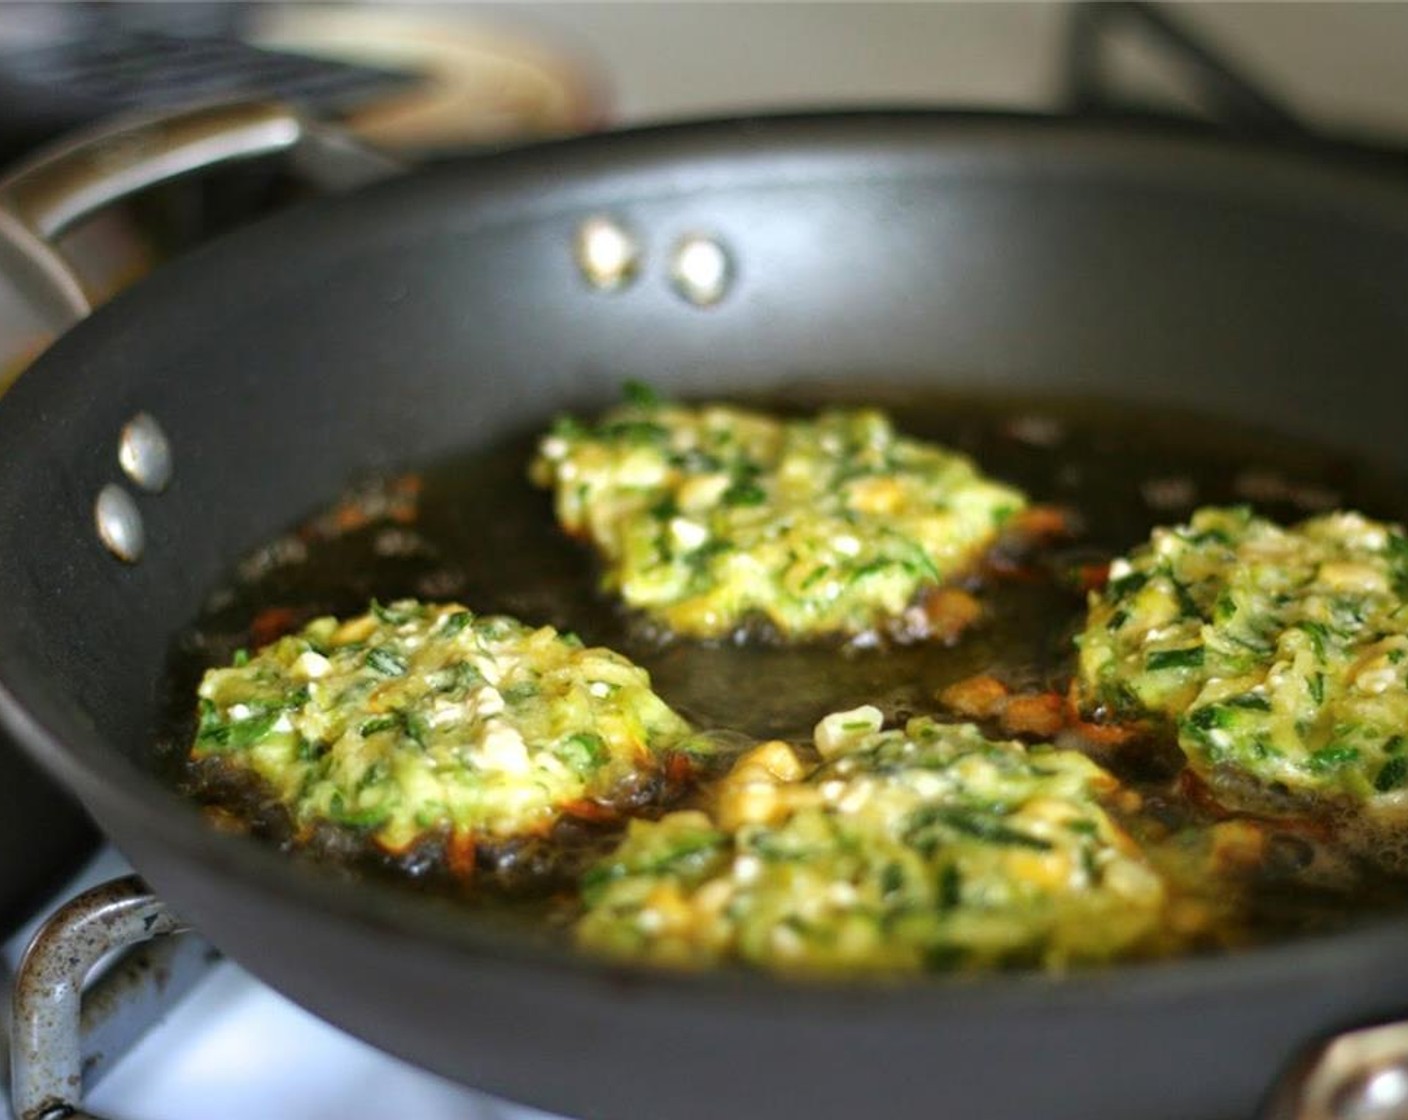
<point x="1169" y="495"/>
<point x="396" y="541"/>
<point x="526" y="867"/>
<point x="272" y="623"/>
<point x="1197" y="792"/>
<point x="1266" y="486"/>
<point x="284" y="552"/>
<point x="1078" y="569"/>
<point x="223" y="820"/>
<point x="1036" y="430"/>
<point x="1287" y="854"/>
<point x="442" y="583"/>
<point x="1042" y="524"/>
<point x="232" y="795"/>
<point x="1165" y="813"/>
<point x="1229" y="786"/>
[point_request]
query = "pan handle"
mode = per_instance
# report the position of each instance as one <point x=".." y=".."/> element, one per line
<point x="54" y="190"/>
<point x="52" y="1024"/>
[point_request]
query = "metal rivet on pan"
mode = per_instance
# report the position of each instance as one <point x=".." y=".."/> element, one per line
<point x="700" y="269"/>
<point x="607" y="254"/>
<point x="145" y="453"/>
<point x="119" y="523"/>
<point x="1375" y="1095"/>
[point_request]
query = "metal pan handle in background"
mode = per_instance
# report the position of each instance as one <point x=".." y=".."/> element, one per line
<point x="58" y="187"/>
<point x="1219" y="85"/>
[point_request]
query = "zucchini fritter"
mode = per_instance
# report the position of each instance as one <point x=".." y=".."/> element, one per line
<point x="712" y="516"/>
<point x="921" y="849"/>
<point x="419" y="722"/>
<point x="1281" y="655"/>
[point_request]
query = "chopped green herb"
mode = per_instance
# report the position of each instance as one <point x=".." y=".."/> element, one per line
<point x="944" y="957"/>
<point x="456" y="622"/>
<point x="1126" y="585"/>
<point x="584" y="751"/>
<point x="417" y="730"/>
<point x="1318" y="633"/>
<point x="635" y="431"/>
<point x="1206" y="719"/>
<point x="1189" y="658"/>
<point x="666" y="509"/>
<point x="975" y="823"/>
<point x="380" y="723"/>
<point x="891" y="880"/>
<point x="745" y="493"/>
<point x="1187" y="604"/>
<point x="1392" y="774"/>
<point x="394" y="615"/>
<point x="950" y="886"/>
<point x="639" y="395"/>
<point x="873" y="567"/>
<point x="1333" y="757"/>
<point x="385" y="661"/>
<point x="340" y="812"/>
<point x="568" y="427"/>
<point x="518" y="693"/>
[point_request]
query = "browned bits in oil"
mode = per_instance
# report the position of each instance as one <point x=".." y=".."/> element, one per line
<point x="948" y="612"/>
<point x="1042" y="715"/>
<point x="980" y="697"/>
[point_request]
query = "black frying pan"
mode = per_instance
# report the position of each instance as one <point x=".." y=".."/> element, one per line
<point x="435" y="311"/>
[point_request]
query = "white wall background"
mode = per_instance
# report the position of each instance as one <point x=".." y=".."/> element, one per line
<point x="1341" y="64"/>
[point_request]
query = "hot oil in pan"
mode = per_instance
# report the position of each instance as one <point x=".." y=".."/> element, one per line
<point x="473" y="529"/>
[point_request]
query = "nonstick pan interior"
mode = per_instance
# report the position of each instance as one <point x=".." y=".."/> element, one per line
<point x="441" y="311"/>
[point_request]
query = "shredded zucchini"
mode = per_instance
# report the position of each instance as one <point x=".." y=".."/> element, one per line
<point x="1280" y="655"/>
<point x="419" y="720"/>
<point x="709" y="516"/>
<point x="927" y="848"/>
